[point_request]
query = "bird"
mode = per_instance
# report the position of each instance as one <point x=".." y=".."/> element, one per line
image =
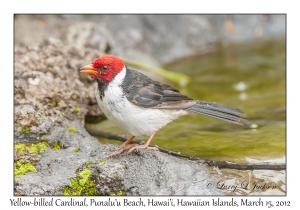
<point x="141" y="106"/>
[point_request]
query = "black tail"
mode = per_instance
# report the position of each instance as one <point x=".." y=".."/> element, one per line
<point x="219" y="111"/>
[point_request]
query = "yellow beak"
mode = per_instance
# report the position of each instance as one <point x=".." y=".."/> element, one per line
<point x="88" y="69"/>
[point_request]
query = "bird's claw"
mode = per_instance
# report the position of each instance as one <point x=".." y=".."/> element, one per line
<point x="115" y="153"/>
<point x="137" y="147"/>
<point x="120" y="150"/>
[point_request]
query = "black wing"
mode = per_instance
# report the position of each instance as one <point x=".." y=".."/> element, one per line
<point x="142" y="91"/>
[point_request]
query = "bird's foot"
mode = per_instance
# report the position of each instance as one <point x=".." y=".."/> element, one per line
<point x="120" y="150"/>
<point x="144" y="146"/>
<point x="123" y="147"/>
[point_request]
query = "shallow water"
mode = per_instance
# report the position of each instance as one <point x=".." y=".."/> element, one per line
<point x="248" y="76"/>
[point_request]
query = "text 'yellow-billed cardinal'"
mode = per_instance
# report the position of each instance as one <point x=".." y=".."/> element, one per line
<point x="141" y="106"/>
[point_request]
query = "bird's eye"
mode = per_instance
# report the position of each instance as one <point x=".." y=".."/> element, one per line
<point x="104" y="68"/>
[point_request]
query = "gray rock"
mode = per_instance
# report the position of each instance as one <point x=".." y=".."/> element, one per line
<point x="152" y="39"/>
<point x="142" y="173"/>
<point x="153" y="173"/>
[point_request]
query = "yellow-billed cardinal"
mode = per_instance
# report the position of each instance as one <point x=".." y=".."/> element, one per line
<point x="141" y="106"/>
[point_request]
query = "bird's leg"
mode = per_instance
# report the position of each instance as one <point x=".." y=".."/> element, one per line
<point x="123" y="147"/>
<point x="144" y="146"/>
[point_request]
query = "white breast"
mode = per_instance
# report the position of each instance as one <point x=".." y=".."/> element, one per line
<point x="135" y="120"/>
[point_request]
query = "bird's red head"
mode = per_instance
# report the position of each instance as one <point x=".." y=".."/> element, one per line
<point x="104" y="67"/>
